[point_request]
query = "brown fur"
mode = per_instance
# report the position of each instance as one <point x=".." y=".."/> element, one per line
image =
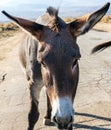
<point x="52" y="55"/>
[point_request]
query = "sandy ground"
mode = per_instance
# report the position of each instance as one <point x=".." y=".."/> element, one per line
<point x="93" y="99"/>
<point x="103" y="26"/>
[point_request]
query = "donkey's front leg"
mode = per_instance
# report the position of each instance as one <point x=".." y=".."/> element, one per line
<point x="34" y="112"/>
<point x="47" y="118"/>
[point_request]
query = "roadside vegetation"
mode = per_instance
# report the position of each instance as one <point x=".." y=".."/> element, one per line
<point x="8" y="29"/>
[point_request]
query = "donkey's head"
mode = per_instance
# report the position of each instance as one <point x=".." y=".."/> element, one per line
<point x="58" y="54"/>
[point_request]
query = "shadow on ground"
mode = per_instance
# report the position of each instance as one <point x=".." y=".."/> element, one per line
<point x="82" y="125"/>
<point x="100" y="127"/>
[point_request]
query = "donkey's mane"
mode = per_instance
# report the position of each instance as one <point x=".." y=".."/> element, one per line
<point x="52" y="11"/>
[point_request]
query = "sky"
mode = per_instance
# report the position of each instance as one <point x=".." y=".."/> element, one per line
<point x="11" y="3"/>
<point x="37" y="7"/>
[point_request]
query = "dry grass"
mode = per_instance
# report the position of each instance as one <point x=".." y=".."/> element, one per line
<point x="106" y="19"/>
<point x="69" y="19"/>
<point x="8" y="29"/>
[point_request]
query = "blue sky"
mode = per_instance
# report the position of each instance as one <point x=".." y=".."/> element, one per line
<point x="12" y="3"/>
<point x="37" y="7"/>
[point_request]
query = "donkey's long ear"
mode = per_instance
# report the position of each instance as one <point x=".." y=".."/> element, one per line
<point x="85" y="23"/>
<point x="30" y="26"/>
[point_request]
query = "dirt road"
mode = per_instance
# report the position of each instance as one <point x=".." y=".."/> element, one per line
<point x="93" y="99"/>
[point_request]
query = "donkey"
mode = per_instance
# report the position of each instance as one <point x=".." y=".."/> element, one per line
<point x="49" y="52"/>
<point x="101" y="47"/>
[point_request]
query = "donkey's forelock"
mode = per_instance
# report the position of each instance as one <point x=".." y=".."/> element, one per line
<point x="52" y="11"/>
<point x="54" y="22"/>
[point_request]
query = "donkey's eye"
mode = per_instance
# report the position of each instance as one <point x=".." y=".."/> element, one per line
<point x="74" y="63"/>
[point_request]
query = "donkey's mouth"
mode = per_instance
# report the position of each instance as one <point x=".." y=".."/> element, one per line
<point x="66" y="127"/>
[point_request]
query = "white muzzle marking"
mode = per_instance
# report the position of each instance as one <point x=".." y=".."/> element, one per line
<point x="62" y="107"/>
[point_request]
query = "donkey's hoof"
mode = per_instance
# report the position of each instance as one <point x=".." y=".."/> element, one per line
<point x="46" y="121"/>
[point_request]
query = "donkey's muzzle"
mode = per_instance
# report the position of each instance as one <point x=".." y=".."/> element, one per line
<point x="63" y="123"/>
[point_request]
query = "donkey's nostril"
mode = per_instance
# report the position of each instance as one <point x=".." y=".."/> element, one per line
<point x="62" y="122"/>
<point x="57" y="120"/>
